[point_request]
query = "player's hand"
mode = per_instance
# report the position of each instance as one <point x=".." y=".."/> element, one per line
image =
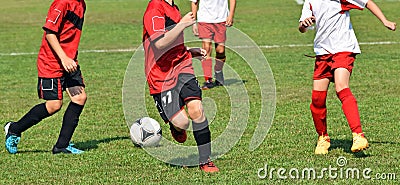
<point x="390" y="25"/>
<point x="195" y="30"/>
<point x="308" y="22"/>
<point x="188" y="19"/>
<point x="69" y="64"/>
<point x="229" y="21"/>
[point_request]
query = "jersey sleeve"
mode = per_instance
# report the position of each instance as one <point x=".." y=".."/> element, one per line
<point x="194" y="1"/>
<point x="353" y="4"/>
<point x="55" y="15"/>
<point x="306" y="12"/>
<point x="154" y="23"/>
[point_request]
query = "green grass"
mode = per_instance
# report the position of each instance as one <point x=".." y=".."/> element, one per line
<point x="111" y="158"/>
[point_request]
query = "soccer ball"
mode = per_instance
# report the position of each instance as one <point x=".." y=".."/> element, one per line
<point x="145" y="132"/>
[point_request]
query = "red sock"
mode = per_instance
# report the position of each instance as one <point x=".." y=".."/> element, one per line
<point x="350" y="109"/>
<point x="318" y="111"/>
<point x="207" y="68"/>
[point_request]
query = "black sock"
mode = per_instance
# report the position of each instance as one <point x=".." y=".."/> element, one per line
<point x="202" y="135"/>
<point x="33" y="117"/>
<point x="70" y="122"/>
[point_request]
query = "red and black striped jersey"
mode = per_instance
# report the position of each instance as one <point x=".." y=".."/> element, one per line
<point x="162" y="66"/>
<point x="65" y="19"/>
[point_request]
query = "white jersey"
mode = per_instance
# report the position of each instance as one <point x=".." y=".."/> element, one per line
<point x="212" y="11"/>
<point x="334" y="31"/>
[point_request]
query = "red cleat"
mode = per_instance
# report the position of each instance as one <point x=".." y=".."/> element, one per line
<point x="209" y="167"/>
<point x="179" y="136"/>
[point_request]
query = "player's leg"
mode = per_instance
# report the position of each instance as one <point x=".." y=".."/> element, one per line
<point x="349" y="102"/>
<point x="76" y="91"/>
<point x="202" y="134"/>
<point x="178" y="126"/>
<point x="207" y="65"/>
<point x="318" y="112"/>
<point x="191" y="93"/>
<point x="171" y="109"/>
<point x="219" y="39"/>
<point x="322" y="76"/>
<point x="49" y="90"/>
<point x="343" y="63"/>
<point x="350" y="109"/>
<point x="206" y="35"/>
<point x="220" y="59"/>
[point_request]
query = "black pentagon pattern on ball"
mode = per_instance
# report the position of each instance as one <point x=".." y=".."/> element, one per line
<point x="146" y="134"/>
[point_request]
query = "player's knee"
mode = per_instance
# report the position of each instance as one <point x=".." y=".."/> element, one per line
<point x="79" y="99"/>
<point x="181" y="122"/>
<point x="195" y="111"/>
<point x="220" y="55"/>
<point x="340" y="86"/>
<point x="53" y="106"/>
<point x="318" y="102"/>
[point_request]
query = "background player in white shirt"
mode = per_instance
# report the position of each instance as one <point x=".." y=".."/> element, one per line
<point x="213" y="16"/>
<point x="336" y="47"/>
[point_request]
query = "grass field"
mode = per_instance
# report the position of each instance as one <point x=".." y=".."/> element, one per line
<point x="111" y="158"/>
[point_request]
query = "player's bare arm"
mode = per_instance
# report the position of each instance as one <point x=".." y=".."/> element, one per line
<point x="306" y="23"/>
<point x="68" y="63"/>
<point x="378" y="13"/>
<point x="194" y="11"/>
<point x="229" y="19"/>
<point x="173" y="34"/>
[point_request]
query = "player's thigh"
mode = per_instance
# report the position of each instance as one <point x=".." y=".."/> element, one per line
<point x="205" y="31"/>
<point x="50" y="88"/>
<point x="171" y="108"/>
<point x="219" y="30"/>
<point x="75" y="86"/>
<point x="191" y="93"/>
<point x="342" y="79"/>
<point x="321" y="84"/>
<point x="181" y="120"/>
<point x="322" y="72"/>
<point x="343" y="63"/>
<point x="207" y="45"/>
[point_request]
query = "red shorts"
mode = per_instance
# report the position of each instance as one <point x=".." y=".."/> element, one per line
<point x="212" y="31"/>
<point x="325" y="65"/>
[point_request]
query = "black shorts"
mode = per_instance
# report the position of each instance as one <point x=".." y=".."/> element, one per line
<point x="52" y="88"/>
<point x="172" y="101"/>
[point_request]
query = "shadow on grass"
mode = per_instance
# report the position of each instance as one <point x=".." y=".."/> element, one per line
<point x="93" y="144"/>
<point x="234" y="81"/>
<point x="87" y="145"/>
<point x="33" y="151"/>
<point x="179" y="160"/>
<point x="346" y="146"/>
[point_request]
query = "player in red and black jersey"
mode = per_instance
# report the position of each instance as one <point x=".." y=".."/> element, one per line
<point x="58" y="70"/>
<point x="170" y="75"/>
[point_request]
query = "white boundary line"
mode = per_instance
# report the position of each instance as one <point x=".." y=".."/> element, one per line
<point x="262" y="47"/>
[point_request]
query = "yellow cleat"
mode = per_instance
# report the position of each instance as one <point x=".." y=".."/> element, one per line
<point x="360" y="143"/>
<point x="323" y="144"/>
